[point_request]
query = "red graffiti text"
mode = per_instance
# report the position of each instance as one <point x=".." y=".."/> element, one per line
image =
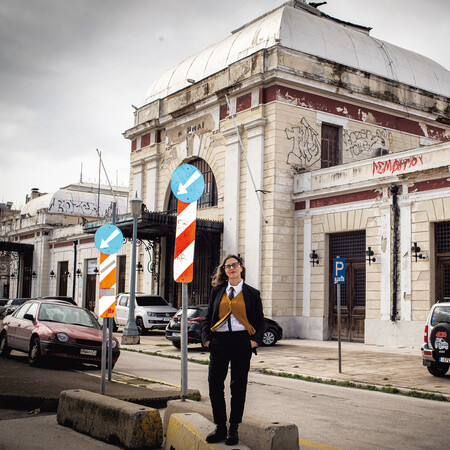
<point x="395" y="165"/>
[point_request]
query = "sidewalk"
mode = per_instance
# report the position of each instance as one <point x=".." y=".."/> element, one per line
<point x="360" y="363"/>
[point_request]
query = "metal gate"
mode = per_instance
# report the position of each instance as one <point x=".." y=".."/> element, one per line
<point x="206" y="259"/>
<point x="442" y="239"/>
<point x="350" y="246"/>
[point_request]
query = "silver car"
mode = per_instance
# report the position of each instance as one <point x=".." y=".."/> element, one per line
<point x="436" y="346"/>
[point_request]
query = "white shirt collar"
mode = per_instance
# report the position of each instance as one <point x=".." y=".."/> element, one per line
<point x="237" y="288"/>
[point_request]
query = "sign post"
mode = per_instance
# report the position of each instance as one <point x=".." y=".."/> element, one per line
<point x="187" y="185"/>
<point x="108" y="240"/>
<point x="339" y="278"/>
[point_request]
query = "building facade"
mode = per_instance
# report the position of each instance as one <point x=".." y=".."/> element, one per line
<point x="46" y="250"/>
<point x="316" y="141"/>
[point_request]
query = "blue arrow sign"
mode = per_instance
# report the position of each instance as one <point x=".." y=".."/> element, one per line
<point x="339" y="270"/>
<point x="108" y="239"/>
<point x="187" y="183"/>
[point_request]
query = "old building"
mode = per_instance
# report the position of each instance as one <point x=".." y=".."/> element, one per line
<point x="46" y="250"/>
<point x="316" y="140"/>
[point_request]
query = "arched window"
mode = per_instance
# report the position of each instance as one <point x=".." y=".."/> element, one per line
<point x="209" y="197"/>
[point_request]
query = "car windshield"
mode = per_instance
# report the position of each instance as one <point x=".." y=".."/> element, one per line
<point x="151" y="300"/>
<point x="441" y="314"/>
<point x="65" y="314"/>
<point x="191" y="313"/>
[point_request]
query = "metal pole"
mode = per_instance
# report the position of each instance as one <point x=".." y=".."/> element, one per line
<point x="339" y="323"/>
<point x="111" y="319"/>
<point x="130" y="332"/>
<point x="102" y="384"/>
<point x="184" y="335"/>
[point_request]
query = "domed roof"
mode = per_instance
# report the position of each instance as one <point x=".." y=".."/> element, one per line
<point x="320" y="36"/>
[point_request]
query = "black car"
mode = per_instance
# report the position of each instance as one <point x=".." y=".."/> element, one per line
<point x="13" y="304"/>
<point x="195" y="317"/>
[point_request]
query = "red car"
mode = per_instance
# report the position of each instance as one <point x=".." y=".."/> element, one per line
<point x="53" y="328"/>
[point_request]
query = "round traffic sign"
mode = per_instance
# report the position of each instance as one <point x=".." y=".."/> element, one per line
<point x="187" y="183"/>
<point x="108" y="239"/>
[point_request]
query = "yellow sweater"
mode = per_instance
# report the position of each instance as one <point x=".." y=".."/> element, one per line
<point x="235" y="307"/>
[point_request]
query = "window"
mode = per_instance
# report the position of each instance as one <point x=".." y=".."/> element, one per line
<point x="209" y="197"/>
<point x="330" y="145"/>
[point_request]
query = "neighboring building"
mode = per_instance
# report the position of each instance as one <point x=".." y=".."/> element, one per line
<point x="49" y="252"/>
<point x="346" y="144"/>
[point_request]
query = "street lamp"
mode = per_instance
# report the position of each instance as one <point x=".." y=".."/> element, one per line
<point x="130" y="333"/>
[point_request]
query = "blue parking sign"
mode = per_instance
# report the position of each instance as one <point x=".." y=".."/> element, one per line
<point x="339" y="270"/>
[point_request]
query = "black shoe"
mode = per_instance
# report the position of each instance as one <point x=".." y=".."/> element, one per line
<point x="219" y="434"/>
<point x="232" y="437"/>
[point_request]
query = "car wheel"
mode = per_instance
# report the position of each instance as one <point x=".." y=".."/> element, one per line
<point x="176" y="344"/>
<point x="4" y="349"/>
<point x="140" y="326"/>
<point x="438" y="369"/>
<point x="34" y="354"/>
<point x="269" y="338"/>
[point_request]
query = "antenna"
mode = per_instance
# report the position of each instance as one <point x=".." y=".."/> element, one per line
<point x="81" y="173"/>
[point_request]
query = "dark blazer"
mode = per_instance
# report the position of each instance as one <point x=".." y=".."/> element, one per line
<point x="253" y="309"/>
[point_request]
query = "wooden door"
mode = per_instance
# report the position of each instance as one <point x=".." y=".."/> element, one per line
<point x="353" y="303"/>
<point x="351" y="247"/>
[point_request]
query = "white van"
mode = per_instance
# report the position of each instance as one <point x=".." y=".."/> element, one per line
<point x="151" y="312"/>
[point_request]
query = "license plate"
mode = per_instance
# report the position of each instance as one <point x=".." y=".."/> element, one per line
<point x="444" y="360"/>
<point x="88" y="352"/>
<point x="166" y="319"/>
<point x="176" y="334"/>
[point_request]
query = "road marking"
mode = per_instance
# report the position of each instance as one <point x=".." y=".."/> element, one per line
<point x="311" y="444"/>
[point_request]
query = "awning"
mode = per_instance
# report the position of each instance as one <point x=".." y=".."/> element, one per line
<point x="153" y="225"/>
<point x="7" y="246"/>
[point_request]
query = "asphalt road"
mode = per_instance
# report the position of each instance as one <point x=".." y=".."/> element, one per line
<point x="327" y="415"/>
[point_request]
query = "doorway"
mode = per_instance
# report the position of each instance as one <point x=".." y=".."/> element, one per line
<point x="63" y="274"/>
<point x="442" y="239"/>
<point x="350" y="246"/>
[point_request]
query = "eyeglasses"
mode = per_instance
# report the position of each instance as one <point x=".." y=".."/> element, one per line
<point x="232" y="266"/>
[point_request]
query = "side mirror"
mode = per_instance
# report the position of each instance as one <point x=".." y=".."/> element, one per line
<point x="28" y="317"/>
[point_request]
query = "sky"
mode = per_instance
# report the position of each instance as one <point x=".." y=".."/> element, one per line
<point x="71" y="69"/>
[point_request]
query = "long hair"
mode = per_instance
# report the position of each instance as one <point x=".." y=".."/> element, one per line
<point x="220" y="277"/>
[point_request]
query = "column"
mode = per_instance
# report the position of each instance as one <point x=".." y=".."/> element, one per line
<point x="405" y="259"/>
<point x="307" y="236"/>
<point x="231" y="193"/>
<point x="253" y="212"/>
<point x="137" y="181"/>
<point x="386" y="262"/>
<point x="152" y="182"/>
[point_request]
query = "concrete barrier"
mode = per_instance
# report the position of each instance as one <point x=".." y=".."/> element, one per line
<point x="110" y="420"/>
<point x="256" y="432"/>
<point x="187" y="431"/>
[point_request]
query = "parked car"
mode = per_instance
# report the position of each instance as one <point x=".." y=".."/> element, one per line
<point x="151" y="312"/>
<point x="54" y="328"/>
<point x="436" y="346"/>
<point x="195" y="317"/>
<point x="3" y="302"/>
<point x="64" y="298"/>
<point x="13" y="304"/>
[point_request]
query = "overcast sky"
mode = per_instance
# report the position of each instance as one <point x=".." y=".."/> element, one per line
<point x="70" y="70"/>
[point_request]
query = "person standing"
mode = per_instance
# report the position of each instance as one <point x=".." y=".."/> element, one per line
<point x="233" y="328"/>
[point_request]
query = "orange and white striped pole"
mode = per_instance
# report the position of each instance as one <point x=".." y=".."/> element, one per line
<point x="183" y="266"/>
<point x="107" y="288"/>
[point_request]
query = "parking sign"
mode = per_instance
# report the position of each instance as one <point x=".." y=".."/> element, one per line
<point x="339" y="270"/>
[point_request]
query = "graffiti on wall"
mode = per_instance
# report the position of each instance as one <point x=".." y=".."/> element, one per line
<point x="366" y="141"/>
<point x="396" y="165"/>
<point x="72" y="207"/>
<point x="305" y="150"/>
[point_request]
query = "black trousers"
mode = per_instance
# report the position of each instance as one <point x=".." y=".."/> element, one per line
<point x="225" y="348"/>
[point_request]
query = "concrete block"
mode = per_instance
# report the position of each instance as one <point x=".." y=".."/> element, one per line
<point x="257" y="432"/>
<point x="188" y="431"/>
<point x="110" y="420"/>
